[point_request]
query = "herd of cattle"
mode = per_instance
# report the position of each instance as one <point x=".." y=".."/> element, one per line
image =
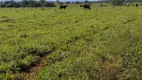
<point x="133" y="5"/>
<point x="87" y="6"/>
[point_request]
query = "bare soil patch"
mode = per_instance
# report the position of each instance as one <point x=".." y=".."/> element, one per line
<point x="31" y="73"/>
<point x="5" y="21"/>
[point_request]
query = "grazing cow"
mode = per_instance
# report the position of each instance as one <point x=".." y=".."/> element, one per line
<point x="133" y="4"/>
<point x="127" y="5"/>
<point x="81" y="5"/>
<point x="86" y="6"/>
<point x="104" y="5"/>
<point x="136" y="5"/>
<point x="63" y="7"/>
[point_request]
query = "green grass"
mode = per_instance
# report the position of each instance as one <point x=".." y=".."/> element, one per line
<point x="102" y="43"/>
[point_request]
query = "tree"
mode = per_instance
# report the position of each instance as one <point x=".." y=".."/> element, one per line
<point x="42" y="1"/>
<point x="9" y="5"/>
<point x="117" y="2"/>
<point x="86" y="1"/>
<point x="27" y="3"/>
<point x="57" y="1"/>
<point x="15" y="4"/>
<point x="107" y="1"/>
<point x="24" y="3"/>
<point x="48" y="4"/>
<point x="2" y="4"/>
<point x="31" y="3"/>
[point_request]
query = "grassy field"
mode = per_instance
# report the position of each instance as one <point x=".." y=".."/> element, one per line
<point x="104" y="43"/>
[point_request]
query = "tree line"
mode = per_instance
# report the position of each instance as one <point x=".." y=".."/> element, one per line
<point x="120" y="2"/>
<point x="27" y="3"/>
<point x="44" y="3"/>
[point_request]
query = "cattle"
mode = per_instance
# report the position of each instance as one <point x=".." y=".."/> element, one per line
<point x="136" y="5"/>
<point x="86" y="6"/>
<point x="127" y="5"/>
<point x="63" y="7"/>
<point x="81" y="5"/>
<point x="103" y="5"/>
<point x="133" y="4"/>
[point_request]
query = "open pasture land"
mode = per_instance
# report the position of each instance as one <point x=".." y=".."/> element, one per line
<point x="104" y="43"/>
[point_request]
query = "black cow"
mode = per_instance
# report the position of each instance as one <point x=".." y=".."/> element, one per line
<point x="101" y="5"/>
<point x="63" y="6"/>
<point x="85" y="6"/>
<point x="81" y="5"/>
<point x="136" y="5"/>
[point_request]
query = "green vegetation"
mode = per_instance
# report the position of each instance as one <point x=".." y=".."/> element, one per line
<point x="104" y="43"/>
<point x="117" y="2"/>
<point x="26" y="3"/>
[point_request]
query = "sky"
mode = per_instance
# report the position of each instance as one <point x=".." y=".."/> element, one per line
<point x="54" y="0"/>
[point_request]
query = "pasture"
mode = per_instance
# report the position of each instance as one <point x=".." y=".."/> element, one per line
<point x="104" y="43"/>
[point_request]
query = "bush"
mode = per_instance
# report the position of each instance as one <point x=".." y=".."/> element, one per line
<point x="117" y="2"/>
<point x="48" y="4"/>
